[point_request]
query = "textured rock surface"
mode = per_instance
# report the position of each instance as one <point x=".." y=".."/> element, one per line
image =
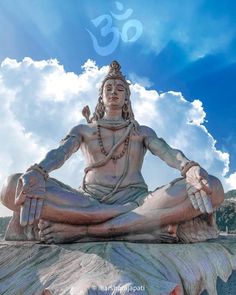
<point x="116" y="268"/>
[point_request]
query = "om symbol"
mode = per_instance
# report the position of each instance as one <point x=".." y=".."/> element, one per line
<point x="108" y="28"/>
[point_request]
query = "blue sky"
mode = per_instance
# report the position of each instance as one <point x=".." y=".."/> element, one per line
<point x="187" y="46"/>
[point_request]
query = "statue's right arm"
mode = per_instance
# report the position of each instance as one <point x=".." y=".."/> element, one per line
<point x="33" y="181"/>
<point x="69" y="145"/>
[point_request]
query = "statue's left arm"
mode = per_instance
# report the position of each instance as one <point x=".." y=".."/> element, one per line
<point x="158" y="146"/>
<point x="197" y="184"/>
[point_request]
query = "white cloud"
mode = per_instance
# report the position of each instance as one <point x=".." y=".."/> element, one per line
<point x="40" y="102"/>
<point x="179" y="122"/>
<point x="142" y="81"/>
<point x="231" y="181"/>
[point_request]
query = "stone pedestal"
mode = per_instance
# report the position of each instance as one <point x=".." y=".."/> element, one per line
<point x="118" y="268"/>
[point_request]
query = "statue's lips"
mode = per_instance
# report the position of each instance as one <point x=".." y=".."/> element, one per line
<point x="113" y="98"/>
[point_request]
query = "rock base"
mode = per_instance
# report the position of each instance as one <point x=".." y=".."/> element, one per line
<point x="118" y="268"/>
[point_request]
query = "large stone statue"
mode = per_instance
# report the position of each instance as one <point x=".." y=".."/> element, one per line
<point x="113" y="202"/>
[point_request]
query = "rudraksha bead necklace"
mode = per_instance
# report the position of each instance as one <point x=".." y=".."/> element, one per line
<point x="104" y="152"/>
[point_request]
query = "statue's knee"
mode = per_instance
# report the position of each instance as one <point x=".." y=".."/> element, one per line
<point x="217" y="191"/>
<point x="7" y="194"/>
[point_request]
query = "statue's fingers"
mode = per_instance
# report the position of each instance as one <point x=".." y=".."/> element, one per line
<point x="32" y="211"/>
<point x="193" y="201"/>
<point x="197" y="184"/>
<point x="206" y="186"/>
<point x="200" y="203"/>
<point x="194" y="185"/>
<point x="39" y="209"/>
<point x="207" y="202"/>
<point x="191" y="189"/>
<point x="205" y="182"/>
<point x="197" y="174"/>
<point x="24" y="212"/>
<point x="208" y="205"/>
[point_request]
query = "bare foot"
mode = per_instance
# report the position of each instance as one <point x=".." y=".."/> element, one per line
<point x="56" y="233"/>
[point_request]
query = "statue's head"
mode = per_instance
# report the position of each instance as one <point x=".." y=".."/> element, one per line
<point x="114" y="73"/>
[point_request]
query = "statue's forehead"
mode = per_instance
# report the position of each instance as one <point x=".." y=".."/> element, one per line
<point x="114" y="82"/>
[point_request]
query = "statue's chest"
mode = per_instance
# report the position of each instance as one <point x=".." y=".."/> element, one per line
<point x="102" y="140"/>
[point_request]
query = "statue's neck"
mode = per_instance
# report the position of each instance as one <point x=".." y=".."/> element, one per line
<point x="113" y="120"/>
<point x="113" y="115"/>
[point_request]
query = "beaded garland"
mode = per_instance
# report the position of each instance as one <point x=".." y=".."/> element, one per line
<point x="104" y="152"/>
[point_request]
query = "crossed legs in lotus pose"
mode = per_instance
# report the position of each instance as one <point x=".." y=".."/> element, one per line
<point x="165" y="206"/>
<point x="68" y="216"/>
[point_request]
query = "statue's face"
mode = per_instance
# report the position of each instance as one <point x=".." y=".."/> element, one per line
<point x="114" y="93"/>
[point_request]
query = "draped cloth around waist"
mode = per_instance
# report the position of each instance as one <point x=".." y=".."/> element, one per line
<point x="132" y="193"/>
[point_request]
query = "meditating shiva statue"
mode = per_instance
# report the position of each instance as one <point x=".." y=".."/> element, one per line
<point x="113" y="202"/>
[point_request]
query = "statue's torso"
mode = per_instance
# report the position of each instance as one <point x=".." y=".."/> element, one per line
<point x="110" y="173"/>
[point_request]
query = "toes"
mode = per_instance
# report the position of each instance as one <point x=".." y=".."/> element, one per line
<point x="47" y="231"/>
<point x="52" y="238"/>
<point x="50" y="241"/>
<point x="43" y="224"/>
<point x="44" y="232"/>
<point x="47" y="238"/>
<point x="41" y="236"/>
